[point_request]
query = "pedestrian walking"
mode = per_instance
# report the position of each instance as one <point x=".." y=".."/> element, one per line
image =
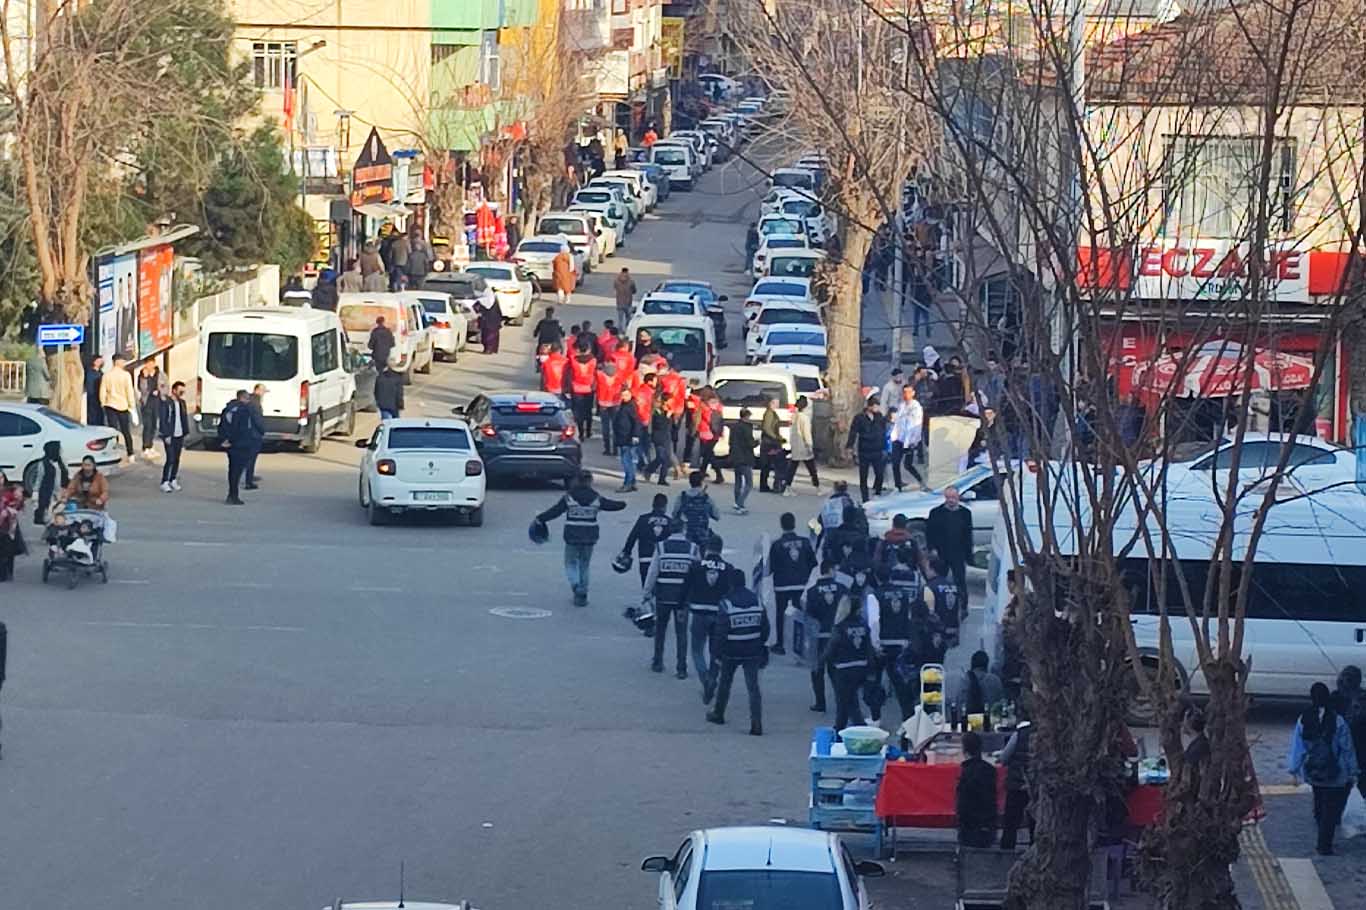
<point x="173" y="424"/>
<point x="890" y="394"/>
<point x="548" y="330"/>
<point x="583" y="382"/>
<point x="821" y="600"/>
<point x="1350" y="701"/>
<point x="696" y="509"/>
<point x="119" y="399"/>
<point x="54" y="477"/>
<point x="664" y="588"/>
<point x="975" y="798"/>
<point x="88" y="488"/>
<point x="627" y="431"/>
<point x="624" y="286"/>
<point x="257" y="403"/>
<point x="1015" y="756"/>
<point x="890" y="625"/>
<point x="948" y="532"/>
<point x="554" y="366"/>
<point x="791" y="561"/>
<point x="381" y="343"/>
<point x="397" y="260"/>
<point x="351" y="280"/>
<point x="371" y="263"/>
<point x="1322" y="754"/>
<point x="607" y="395"/>
<point x="37" y="378"/>
<point x="11" y="537"/>
<point x="739" y="636"/>
<point x="94" y="375"/>
<point x="849" y="658"/>
<point x="941" y="597"/>
<point x="239" y="431"/>
<point x="908" y="427"/>
<point x="661" y="442"/>
<point x="580" y="507"/>
<point x="619" y="146"/>
<point x="152" y="391"/>
<point x="772" y="455"/>
<point x="710" y="426"/>
<point x="324" y="296"/>
<point x="389" y="394"/>
<point x="742" y="459"/>
<point x="868" y="440"/>
<point x="420" y="257"/>
<point x="562" y="274"/>
<point x="649" y="529"/>
<point x="490" y="325"/>
<point x="803" y="446"/>
<point x="709" y="581"/>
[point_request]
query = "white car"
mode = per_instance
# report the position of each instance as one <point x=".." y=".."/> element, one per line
<point x="511" y="285"/>
<point x="793" y="263"/>
<point x="798" y="178"/>
<point x="812" y="215"/>
<point x="447" y="322"/>
<point x="574" y="227"/>
<point x="612" y="214"/>
<point x="605" y="233"/>
<point x="1313" y="465"/>
<point x="766" y="290"/>
<point x="644" y="188"/>
<point x="670" y="303"/>
<point x="466" y="291"/>
<point x="701" y="143"/>
<point x="772" y="244"/>
<point x="421" y="464"/>
<point x="780" y="311"/>
<point x="623" y="191"/>
<point x="26" y="428"/>
<point x="979" y="488"/>
<point x="764" y="868"/>
<point x="603" y="197"/>
<point x="777" y="224"/>
<point x="809" y="376"/>
<point x="537" y="255"/>
<point x="793" y="339"/>
<point x="753" y="387"/>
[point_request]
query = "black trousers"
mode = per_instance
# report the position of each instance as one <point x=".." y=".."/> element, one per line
<point x="250" y="469"/>
<point x="148" y="413"/>
<point x="679" y="612"/>
<point x="644" y="565"/>
<point x="8" y="546"/>
<point x="980" y="838"/>
<point x="959" y="570"/>
<point x="1328" y="805"/>
<point x="120" y="421"/>
<point x="818" y="674"/>
<point x="606" y="417"/>
<point x="847" y="683"/>
<point x="907" y="691"/>
<point x="727" y="678"/>
<point x="582" y="406"/>
<point x="662" y="461"/>
<point x="781" y="601"/>
<point x="904" y="456"/>
<point x="237" y="464"/>
<point x="1016" y="813"/>
<point x="772" y="461"/>
<point x="709" y="462"/>
<point x="878" y="466"/>
<point x="174" y="446"/>
<point x="810" y="469"/>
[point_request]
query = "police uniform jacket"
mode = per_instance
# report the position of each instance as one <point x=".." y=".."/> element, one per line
<point x="822" y="599"/>
<point x="790" y="559"/>
<point x="850" y="646"/>
<point x="649" y="530"/>
<point x="741" y="631"/>
<point x="580" y="508"/>
<point x="709" y="581"/>
<point x="674" y="558"/>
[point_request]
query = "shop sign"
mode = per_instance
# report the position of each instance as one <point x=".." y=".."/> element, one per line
<point x="373" y="174"/>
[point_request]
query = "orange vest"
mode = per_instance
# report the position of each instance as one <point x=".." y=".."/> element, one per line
<point x="552" y="372"/>
<point x="582" y="372"/>
<point x="674" y="388"/>
<point x="609" y="389"/>
<point x="704" y="413"/>
<point x="607" y="343"/>
<point x="624" y="359"/>
<point x="644" y="402"/>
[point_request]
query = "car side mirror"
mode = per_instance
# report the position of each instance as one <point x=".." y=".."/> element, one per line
<point x="657" y="864"/>
<point x="968" y="496"/>
<point x="723" y="298"/>
<point x="458" y="410"/>
<point x="362" y="443"/>
<point x="869" y="869"/>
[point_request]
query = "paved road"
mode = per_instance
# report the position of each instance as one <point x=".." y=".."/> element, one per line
<point x="275" y="705"/>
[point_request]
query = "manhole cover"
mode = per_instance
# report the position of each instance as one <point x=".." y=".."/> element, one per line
<point x="520" y="612"/>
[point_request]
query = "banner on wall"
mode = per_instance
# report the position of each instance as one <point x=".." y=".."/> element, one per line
<point x="155" y="269"/>
<point x="108" y="324"/>
<point x="125" y="308"/>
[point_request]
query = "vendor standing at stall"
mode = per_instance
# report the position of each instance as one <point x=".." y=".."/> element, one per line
<point x="976" y="796"/>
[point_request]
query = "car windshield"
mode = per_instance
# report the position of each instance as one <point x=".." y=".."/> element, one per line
<point x="772" y="316"/>
<point x="259" y="356"/>
<point x="792" y="266"/>
<point x="449" y="438"/>
<point x="801" y="181"/>
<point x="815" y="339"/>
<point x="670" y="156"/>
<point x="538" y="246"/>
<point x="804" y="207"/>
<point x="686" y="348"/>
<point x="60" y="419"/>
<point x="750" y="393"/>
<point x="779" y="289"/>
<point x="561" y="226"/>
<point x="469" y="287"/>
<point x="498" y="273"/>
<point x="786" y="243"/>
<point x="596" y="197"/>
<point x="780" y="226"/>
<point x="806" y="384"/>
<point x="768" y="889"/>
<point x="657" y="306"/>
<point x="435" y="307"/>
<point x="684" y="287"/>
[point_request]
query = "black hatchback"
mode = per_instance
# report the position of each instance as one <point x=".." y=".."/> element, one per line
<point x="524" y="434"/>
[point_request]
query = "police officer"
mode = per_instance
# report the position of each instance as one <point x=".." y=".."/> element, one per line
<point x="889" y="623"/>
<point x="849" y="656"/>
<point x="821" y="599"/>
<point x="738" y="641"/>
<point x="649" y="530"/>
<point x="696" y="509"/>
<point x="942" y="598"/>
<point x="580" y="507"/>
<point x="710" y="580"/>
<point x="674" y="558"/>
<point x="790" y="561"/>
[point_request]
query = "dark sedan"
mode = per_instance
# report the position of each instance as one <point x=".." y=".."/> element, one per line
<point x="524" y="434"/>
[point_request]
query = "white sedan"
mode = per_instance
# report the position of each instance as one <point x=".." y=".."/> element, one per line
<point x="1313" y="465"/>
<point x="512" y="286"/>
<point x="421" y="464"/>
<point x="26" y="428"/>
<point x="774" y="244"/>
<point x="761" y="868"/>
<point x="979" y="487"/>
<point x="791" y="338"/>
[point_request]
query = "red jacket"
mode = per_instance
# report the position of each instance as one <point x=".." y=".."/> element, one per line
<point x="609" y="389"/>
<point x="552" y="372"/>
<point x="624" y="359"/>
<point x="674" y="388"/>
<point x="644" y="401"/>
<point x="582" y="375"/>
<point x="607" y="342"/>
<point x="707" y="414"/>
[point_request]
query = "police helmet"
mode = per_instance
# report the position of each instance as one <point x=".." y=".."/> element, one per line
<point x="621" y="563"/>
<point x="538" y="532"/>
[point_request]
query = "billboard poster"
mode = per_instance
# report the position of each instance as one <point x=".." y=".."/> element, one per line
<point x="155" y="267"/>
<point x="125" y="307"/>
<point x="107" y="323"/>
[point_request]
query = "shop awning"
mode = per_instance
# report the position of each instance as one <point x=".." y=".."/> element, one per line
<point x="1219" y="369"/>
<point x="382" y="210"/>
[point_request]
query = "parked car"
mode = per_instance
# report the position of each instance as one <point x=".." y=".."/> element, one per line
<point x="604" y="232"/>
<point x="798" y="178"/>
<point x="688" y="341"/>
<point x="712" y="300"/>
<point x="793" y="263"/>
<point x="769" y="244"/>
<point x="764" y="868"/>
<point x="979" y="486"/>
<point x="465" y="290"/>
<point x="446" y="321"/>
<point x="613" y="215"/>
<point x="577" y="228"/>
<point x="657" y="175"/>
<point x="779" y="311"/>
<point x="26" y="428"/>
<point x="644" y="188"/>
<point x="793" y="339"/>
<point x="512" y="286"/>
<point x="524" y="434"/>
<point x="679" y="161"/>
<point x="627" y="194"/>
<point x="413" y="350"/>
<point x="788" y="290"/>
<point x="753" y="387"/>
<point x="668" y="303"/>
<point x="605" y="196"/>
<point x="537" y="255"/>
<point x="421" y="464"/>
<point x="1201" y="471"/>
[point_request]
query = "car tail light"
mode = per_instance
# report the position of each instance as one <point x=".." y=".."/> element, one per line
<point x="474" y="468"/>
<point x="488" y="431"/>
<point x="528" y="407"/>
<point x="567" y="432"/>
<point x="303" y="400"/>
<point x="198" y="395"/>
<point x="441" y="324"/>
<point x="386" y="467"/>
<point x="97" y="445"/>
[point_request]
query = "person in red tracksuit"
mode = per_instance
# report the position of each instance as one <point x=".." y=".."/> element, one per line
<point x="625" y="361"/>
<point x="583" y="382"/>
<point x="553" y="368"/>
<point x="674" y="388"/>
<point x="607" y="339"/>
<point x="691" y="407"/>
<point x="608" y="388"/>
<point x="709" y="428"/>
<point x="644" y="391"/>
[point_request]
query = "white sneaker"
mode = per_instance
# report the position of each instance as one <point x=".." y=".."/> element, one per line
<point x="132" y="459"/>
<point x="166" y="487"/>
<point x="175" y="485"/>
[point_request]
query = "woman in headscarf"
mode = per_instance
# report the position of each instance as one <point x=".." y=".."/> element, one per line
<point x="490" y="324"/>
<point x="1322" y="754"/>
<point x="88" y="488"/>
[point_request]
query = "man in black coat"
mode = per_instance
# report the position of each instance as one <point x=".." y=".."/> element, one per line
<point x="868" y="441"/>
<point x="949" y="533"/>
<point x="389" y="394"/>
<point x="976" y="796"/>
<point x="94" y="374"/>
<point x="381" y="343"/>
<point x="742" y="459"/>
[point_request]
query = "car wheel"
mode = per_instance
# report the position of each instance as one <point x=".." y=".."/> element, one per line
<point x="378" y="514"/>
<point x="30" y="480"/>
<point x="1142" y="710"/>
<point x="476" y="517"/>
<point x="428" y="368"/>
<point x="348" y="423"/>
<point x="313" y="436"/>
<point x="360" y="493"/>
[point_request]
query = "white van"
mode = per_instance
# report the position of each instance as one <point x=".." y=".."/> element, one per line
<point x="403" y="314"/>
<point x="753" y="387"/>
<point x="688" y="341"/>
<point x="679" y="161"/>
<point x="1306" y="611"/>
<point x="300" y="355"/>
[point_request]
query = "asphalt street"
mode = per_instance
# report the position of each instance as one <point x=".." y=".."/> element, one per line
<point x="277" y="705"/>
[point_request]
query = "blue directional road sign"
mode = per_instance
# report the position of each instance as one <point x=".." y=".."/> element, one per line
<point x="53" y="335"/>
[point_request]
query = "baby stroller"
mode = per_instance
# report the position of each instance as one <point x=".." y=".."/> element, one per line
<point x="75" y="541"/>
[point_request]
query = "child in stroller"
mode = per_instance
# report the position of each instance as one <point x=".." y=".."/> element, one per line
<point x="74" y="540"/>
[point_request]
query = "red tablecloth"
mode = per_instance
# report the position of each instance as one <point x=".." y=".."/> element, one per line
<point x="914" y="795"/>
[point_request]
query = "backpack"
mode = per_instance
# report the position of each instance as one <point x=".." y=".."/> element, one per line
<point x="1321" y="766"/>
<point x="225" y="421"/>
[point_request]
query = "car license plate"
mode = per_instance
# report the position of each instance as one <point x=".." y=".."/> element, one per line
<point x="431" y="496"/>
<point x="532" y="437"/>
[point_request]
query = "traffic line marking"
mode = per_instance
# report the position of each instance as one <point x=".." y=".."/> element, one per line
<point x="1284" y="789"/>
<point x="129" y="581"/>
<point x="120" y="624"/>
<point x="368" y="589"/>
<point x="1305" y="884"/>
<point x="1266" y="871"/>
